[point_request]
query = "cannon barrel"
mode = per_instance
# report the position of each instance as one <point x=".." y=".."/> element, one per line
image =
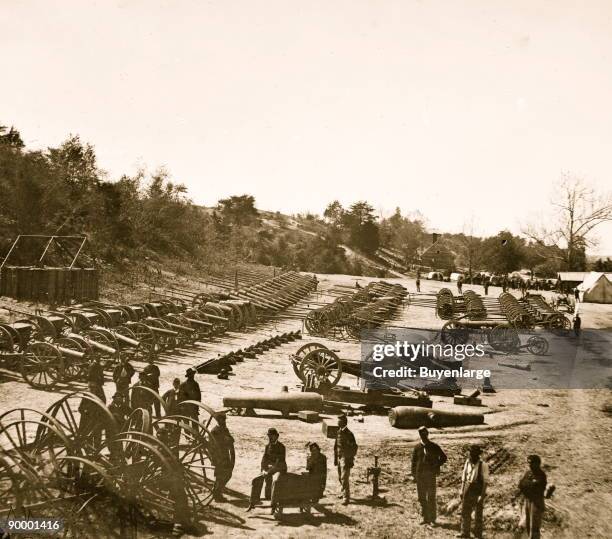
<point x="98" y="346"/>
<point x="413" y="417"/>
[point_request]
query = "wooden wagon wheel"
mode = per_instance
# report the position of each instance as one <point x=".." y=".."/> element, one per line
<point x="166" y="342"/>
<point x="192" y="445"/>
<point x="73" y="368"/>
<point x="42" y="365"/>
<point x="22" y="486"/>
<point x="504" y="338"/>
<point x="19" y="339"/>
<point x="454" y="333"/>
<point x="558" y="321"/>
<point x="537" y="345"/>
<point x="192" y="337"/>
<point x="146" y="338"/>
<point x="296" y="359"/>
<point x="153" y="395"/>
<point x="321" y="367"/>
<point x="102" y="338"/>
<point x="150" y="476"/>
<point x="65" y="413"/>
<point x="183" y="337"/>
<point x="7" y="342"/>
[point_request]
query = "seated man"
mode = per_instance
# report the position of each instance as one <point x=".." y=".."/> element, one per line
<point x="273" y="462"/>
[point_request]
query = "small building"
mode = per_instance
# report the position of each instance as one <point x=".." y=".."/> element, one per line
<point x="568" y="280"/>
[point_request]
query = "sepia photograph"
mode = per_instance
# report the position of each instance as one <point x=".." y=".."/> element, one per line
<point x="281" y="269"/>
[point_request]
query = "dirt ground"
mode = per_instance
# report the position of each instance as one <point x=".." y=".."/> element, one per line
<point x="568" y="428"/>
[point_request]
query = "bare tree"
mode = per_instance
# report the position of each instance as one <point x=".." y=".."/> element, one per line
<point x="579" y="209"/>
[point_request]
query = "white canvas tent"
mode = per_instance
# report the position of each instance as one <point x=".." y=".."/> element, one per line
<point x="596" y="288"/>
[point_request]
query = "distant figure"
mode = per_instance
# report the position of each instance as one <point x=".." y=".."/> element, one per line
<point x="577" y="324"/>
<point x="485" y="284"/>
<point x="427" y="458"/>
<point x="95" y="375"/>
<point x="532" y="486"/>
<point x="577" y="295"/>
<point x="357" y="285"/>
<point x="460" y="284"/>
<point x="473" y="489"/>
<point x="418" y="282"/>
<point x="90" y="423"/>
<point x="505" y="284"/>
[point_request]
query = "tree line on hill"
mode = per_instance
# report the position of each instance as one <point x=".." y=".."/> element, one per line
<point x="63" y="191"/>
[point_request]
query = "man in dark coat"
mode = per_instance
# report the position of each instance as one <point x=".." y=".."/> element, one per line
<point x="141" y="398"/>
<point x="225" y="456"/>
<point x="122" y="375"/>
<point x="316" y="464"/>
<point x="189" y="390"/>
<point x="532" y="487"/>
<point x="273" y="462"/>
<point x="91" y="422"/>
<point x="427" y="458"/>
<point x="152" y="380"/>
<point x="345" y="449"/>
<point x="170" y="397"/>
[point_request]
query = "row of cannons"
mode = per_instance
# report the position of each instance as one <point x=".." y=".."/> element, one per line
<point x="59" y="346"/>
<point x="498" y="320"/>
<point x="350" y="314"/>
<point x="59" y="464"/>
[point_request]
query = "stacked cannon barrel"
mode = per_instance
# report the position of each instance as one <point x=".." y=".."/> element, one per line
<point x="543" y="313"/>
<point x="474" y="306"/>
<point x="62" y="464"/>
<point x="515" y="312"/>
<point x="349" y="314"/>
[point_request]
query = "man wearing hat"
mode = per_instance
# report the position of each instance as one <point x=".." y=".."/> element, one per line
<point x="533" y="487"/>
<point x="189" y="390"/>
<point x="473" y="489"/>
<point x="345" y="449"/>
<point x="225" y="456"/>
<point x="272" y="462"/>
<point x="427" y="458"/>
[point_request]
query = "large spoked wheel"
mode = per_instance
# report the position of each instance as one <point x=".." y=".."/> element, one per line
<point x="321" y="367"/>
<point x="74" y="367"/>
<point x="454" y="333"/>
<point x="537" y="345"/>
<point x="301" y="353"/>
<point x="504" y="338"/>
<point x="42" y="365"/>
<point x="145" y="336"/>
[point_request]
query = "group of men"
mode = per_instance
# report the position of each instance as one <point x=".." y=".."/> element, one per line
<point x="273" y="464"/>
<point x="427" y="459"/>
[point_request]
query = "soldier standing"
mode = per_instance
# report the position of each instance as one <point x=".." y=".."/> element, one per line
<point x="189" y="390"/>
<point x="345" y="449"/>
<point x="153" y="374"/>
<point x="141" y="397"/>
<point x="225" y="455"/>
<point x="122" y="375"/>
<point x="474" y="482"/>
<point x="427" y="458"/>
<point x="171" y="398"/>
<point x="532" y="487"/>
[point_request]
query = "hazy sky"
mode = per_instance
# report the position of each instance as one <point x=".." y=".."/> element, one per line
<point x="453" y="108"/>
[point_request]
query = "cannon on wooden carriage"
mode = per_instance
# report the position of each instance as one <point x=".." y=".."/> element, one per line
<point x="501" y="336"/>
<point x="60" y="465"/>
<point x="348" y="315"/>
<point x="42" y="364"/>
